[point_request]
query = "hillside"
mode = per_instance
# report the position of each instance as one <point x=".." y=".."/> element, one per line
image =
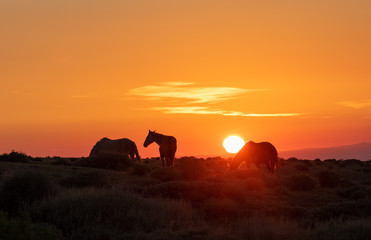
<point x="361" y="151"/>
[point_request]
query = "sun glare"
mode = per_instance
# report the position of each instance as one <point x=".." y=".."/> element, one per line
<point x="233" y="144"/>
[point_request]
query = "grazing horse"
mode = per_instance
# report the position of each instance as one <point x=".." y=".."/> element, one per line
<point x="121" y="146"/>
<point x="167" y="146"/>
<point x="257" y="153"/>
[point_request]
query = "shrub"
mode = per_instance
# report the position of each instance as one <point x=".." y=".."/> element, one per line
<point x="86" y="179"/>
<point x="292" y="159"/>
<point x="328" y="179"/>
<point x="301" y="183"/>
<point x="331" y="161"/>
<point x="139" y="170"/>
<point x="191" y="168"/>
<point x="317" y="161"/>
<point x="220" y="208"/>
<point x="107" y="161"/>
<point x="346" y="210"/>
<point x="196" y="192"/>
<point x="165" y="174"/>
<point x="23" y="229"/>
<point x="23" y="187"/>
<point x="354" y="193"/>
<point x="14" y="156"/>
<point x="62" y="162"/>
<point x="301" y="167"/>
<point x="107" y="214"/>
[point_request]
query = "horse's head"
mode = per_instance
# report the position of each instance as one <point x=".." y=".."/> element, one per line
<point x="150" y="138"/>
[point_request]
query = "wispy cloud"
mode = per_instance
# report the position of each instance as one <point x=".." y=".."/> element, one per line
<point x="356" y="104"/>
<point x="206" y="110"/>
<point x="186" y="90"/>
<point x="192" y="99"/>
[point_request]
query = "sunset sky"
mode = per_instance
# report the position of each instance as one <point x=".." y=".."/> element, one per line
<point x="294" y="73"/>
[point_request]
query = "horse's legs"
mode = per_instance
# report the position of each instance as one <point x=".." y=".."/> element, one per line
<point x="162" y="159"/>
<point x="169" y="162"/>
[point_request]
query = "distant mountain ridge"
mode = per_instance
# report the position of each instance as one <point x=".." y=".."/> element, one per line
<point x="361" y="151"/>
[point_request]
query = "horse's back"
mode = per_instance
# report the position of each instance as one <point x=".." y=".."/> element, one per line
<point x="259" y="153"/>
<point x="117" y="146"/>
<point x="267" y="154"/>
<point x="266" y="149"/>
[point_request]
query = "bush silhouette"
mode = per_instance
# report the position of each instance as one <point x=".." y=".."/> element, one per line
<point x="87" y="179"/>
<point x="107" y="161"/>
<point x="22" y="188"/>
<point x="62" y="162"/>
<point x="165" y="174"/>
<point x="192" y="168"/>
<point x="19" y="229"/>
<point x="301" y="183"/>
<point x="139" y="170"/>
<point x="220" y="208"/>
<point x="301" y="167"/>
<point x="106" y="214"/>
<point x="328" y="179"/>
<point x="15" y="157"/>
<point x="355" y="193"/>
<point x="346" y="210"/>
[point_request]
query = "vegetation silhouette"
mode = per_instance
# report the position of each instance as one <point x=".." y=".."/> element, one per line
<point x="121" y="146"/>
<point x="167" y="145"/>
<point x="258" y="153"/>
<point x="196" y="199"/>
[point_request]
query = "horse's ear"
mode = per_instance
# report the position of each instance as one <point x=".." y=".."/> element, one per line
<point x="154" y="131"/>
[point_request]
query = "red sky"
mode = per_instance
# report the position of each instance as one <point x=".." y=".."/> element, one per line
<point x="295" y="73"/>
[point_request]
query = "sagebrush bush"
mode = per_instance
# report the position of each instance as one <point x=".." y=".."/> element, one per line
<point x="328" y="179"/>
<point x="107" y="214"/>
<point x="140" y="170"/>
<point x="23" y="229"/>
<point x="62" y="162"/>
<point x="107" y="161"/>
<point x="14" y="156"/>
<point x="355" y="193"/>
<point x="301" y="183"/>
<point x="196" y="192"/>
<point x="192" y="168"/>
<point x="24" y="187"/>
<point x="165" y="174"/>
<point x="301" y="167"/>
<point x="345" y="210"/>
<point x="86" y="179"/>
<point x="221" y="209"/>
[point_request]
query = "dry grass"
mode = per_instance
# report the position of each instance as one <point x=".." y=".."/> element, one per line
<point x="199" y="199"/>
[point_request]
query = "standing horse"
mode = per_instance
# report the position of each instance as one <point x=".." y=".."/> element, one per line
<point x="258" y="153"/>
<point x="121" y="146"/>
<point x="167" y="146"/>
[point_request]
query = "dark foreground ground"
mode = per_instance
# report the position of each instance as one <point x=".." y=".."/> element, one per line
<point x="113" y="198"/>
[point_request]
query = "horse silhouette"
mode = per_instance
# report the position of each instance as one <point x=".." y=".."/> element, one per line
<point x="121" y="146"/>
<point x="167" y="146"/>
<point x="258" y="153"/>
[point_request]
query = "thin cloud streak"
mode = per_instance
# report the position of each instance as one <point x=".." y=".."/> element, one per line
<point x="185" y="90"/>
<point x="205" y="110"/>
<point x="356" y="104"/>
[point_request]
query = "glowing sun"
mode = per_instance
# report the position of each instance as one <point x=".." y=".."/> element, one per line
<point x="233" y="144"/>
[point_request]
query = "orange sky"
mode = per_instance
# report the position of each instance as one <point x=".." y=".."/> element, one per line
<point x="295" y="73"/>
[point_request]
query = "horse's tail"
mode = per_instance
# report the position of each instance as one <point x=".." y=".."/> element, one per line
<point x="135" y="149"/>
